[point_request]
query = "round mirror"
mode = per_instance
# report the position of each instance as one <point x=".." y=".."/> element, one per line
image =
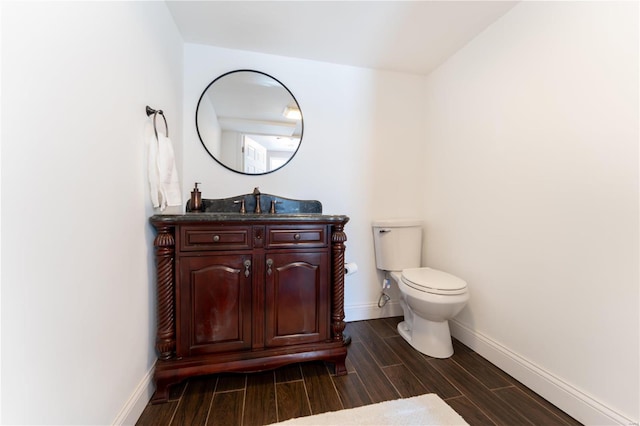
<point x="249" y="122"/>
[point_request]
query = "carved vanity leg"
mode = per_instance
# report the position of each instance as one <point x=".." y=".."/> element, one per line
<point x="166" y="331"/>
<point x="340" y="367"/>
<point x="162" y="392"/>
<point x="338" y="237"/>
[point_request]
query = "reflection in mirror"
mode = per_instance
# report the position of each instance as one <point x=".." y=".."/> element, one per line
<point x="249" y="122"/>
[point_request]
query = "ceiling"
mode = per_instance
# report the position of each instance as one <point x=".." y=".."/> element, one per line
<point x="404" y="36"/>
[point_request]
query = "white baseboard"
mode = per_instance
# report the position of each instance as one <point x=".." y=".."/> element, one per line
<point x="133" y="408"/>
<point x="576" y="403"/>
<point x="372" y="311"/>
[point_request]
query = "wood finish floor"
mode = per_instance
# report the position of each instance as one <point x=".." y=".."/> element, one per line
<point x="381" y="367"/>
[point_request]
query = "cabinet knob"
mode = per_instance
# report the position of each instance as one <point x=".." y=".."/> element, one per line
<point x="269" y="265"/>
<point x="216" y="238"/>
<point x="296" y="237"/>
<point x="247" y="265"/>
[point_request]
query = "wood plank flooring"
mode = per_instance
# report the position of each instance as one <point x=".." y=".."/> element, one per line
<point x="381" y="366"/>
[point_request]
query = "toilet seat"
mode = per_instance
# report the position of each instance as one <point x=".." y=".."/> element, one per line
<point x="433" y="281"/>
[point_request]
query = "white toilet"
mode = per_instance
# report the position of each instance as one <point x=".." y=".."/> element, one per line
<point x="429" y="297"/>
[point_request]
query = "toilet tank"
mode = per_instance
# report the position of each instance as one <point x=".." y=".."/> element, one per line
<point x="398" y="243"/>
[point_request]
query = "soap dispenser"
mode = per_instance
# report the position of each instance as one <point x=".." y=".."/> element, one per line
<point x="196" y="199"/>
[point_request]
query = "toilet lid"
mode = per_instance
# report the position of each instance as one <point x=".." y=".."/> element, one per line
<point x="433" y="281"/>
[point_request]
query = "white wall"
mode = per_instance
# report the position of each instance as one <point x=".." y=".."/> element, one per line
<point x="78" y="318"/>
<point x="532" y="193"/>
<point x="210" y="129"/>
<point x="360" y="154"/>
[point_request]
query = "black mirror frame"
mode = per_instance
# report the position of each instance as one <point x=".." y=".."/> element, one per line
<point x="219" y="161"/>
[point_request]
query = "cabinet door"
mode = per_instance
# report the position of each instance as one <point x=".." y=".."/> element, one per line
<point x="214" y="304"/>
<point x="297" y="298"/>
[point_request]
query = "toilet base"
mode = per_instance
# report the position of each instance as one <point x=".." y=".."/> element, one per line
<point x="428" y="337"/>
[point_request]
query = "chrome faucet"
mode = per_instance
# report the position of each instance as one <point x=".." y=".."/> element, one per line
<point x="256" y="193"/>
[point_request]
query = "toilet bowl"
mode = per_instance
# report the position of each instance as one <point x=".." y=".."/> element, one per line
<point x="427" y="308"/>
<point x="429" y="297"/>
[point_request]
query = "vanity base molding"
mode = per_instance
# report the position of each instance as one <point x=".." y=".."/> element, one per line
<point x="171" y="372"/>
<point x="247" y="293"/>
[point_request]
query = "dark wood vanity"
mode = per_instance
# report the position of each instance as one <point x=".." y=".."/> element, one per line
<point x="247" y="292"/>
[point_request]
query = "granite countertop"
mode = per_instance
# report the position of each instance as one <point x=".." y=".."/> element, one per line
<point x="228" y="209"/>
<point x="247" y="217"/>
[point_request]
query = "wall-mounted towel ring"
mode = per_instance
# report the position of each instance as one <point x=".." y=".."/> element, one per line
<point x="155" y="112"/>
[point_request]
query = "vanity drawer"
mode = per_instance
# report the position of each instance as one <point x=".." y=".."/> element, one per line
<point x="300" y="236"/>
<point x="215" y="238"/>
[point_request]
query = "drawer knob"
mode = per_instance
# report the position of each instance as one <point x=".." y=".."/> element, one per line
<point x="296" y="237"/>
<point x="216" y="238"/>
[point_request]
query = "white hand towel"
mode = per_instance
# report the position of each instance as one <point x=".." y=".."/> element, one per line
<point x="152" y="165"/>
<point x="168" y="174"/>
